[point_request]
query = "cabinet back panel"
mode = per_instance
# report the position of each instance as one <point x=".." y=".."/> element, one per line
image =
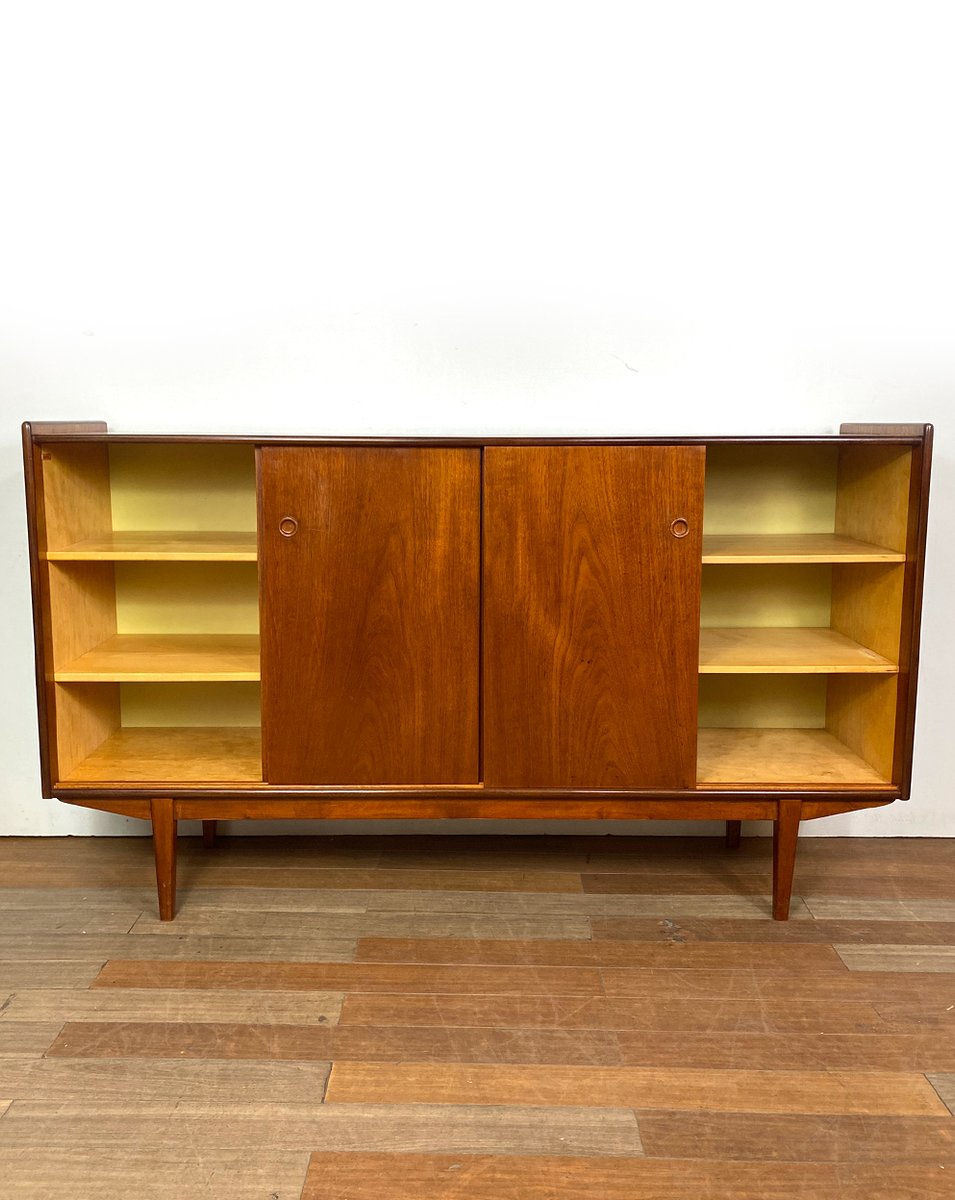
<point x="763" y="701"/>
<point x="190" y="705"/>
<point x="766" y="595"/>
<point x="183" y="487"/>
<point x="591" y="611"/>
<point x="770" y="489"/>
<point x="187" y="598"/>
<point x="370" y="615"/>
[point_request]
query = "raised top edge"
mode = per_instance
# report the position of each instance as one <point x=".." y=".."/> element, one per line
<point x="48" y="432"/>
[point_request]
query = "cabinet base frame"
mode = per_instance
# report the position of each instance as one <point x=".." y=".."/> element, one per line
<point x="786" y="813"/>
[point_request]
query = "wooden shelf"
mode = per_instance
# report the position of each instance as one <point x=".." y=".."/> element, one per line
<point x="780" y="756"/>
<point x="229" y="755"/>
<point x="793" y="548"/>
<point x="163" y="658"/>
<point x="172" y="546"/>
<point x="787" y="651"/>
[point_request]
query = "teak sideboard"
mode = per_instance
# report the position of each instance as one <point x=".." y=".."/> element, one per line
<point x="262" y="627"/>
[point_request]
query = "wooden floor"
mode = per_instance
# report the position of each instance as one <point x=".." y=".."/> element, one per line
<point x="477" y="1019"/>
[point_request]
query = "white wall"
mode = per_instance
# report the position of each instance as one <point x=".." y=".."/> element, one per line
<point x="493" y="218"/>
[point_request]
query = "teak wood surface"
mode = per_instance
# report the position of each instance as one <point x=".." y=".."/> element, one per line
<point x="471" y="1018"/>
<point x="591" y="615"/>
<point x="370" y="615"/>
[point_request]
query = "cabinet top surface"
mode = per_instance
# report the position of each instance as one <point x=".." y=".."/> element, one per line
<point x="47" y="432"/>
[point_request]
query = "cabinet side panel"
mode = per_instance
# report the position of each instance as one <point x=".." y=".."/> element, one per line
<point x="370" y="615"/>
<point x="75" y="491"/>
<point x="591" y="615"/>
<point x="86" y="715"/>
<point x="861" y="713"/>
<point x="872" y="495"/>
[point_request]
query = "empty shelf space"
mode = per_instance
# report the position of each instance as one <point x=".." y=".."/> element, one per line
<point x="780" y="756"/>
<point x="161" y="658"/>
<point x="171" y="546"/>
<point x="151" y="755"/>
<point x="792" y="548"/>
<point x="787" y="651"/>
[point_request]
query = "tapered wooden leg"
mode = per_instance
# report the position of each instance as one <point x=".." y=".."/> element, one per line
<point x="733" y="829"/>
<point x="208" y="834"/>
<point x="785" y="834"/>
<point x="164" y="844"/>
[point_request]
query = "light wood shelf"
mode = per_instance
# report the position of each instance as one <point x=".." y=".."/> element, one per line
<point x="151" y="755"/>
<point x="751" y="651"/>
<point x="166" y="546"/>
<point x="780" y="756"/>
<point x="793" y="548"/>
<point x="163" y="658"/>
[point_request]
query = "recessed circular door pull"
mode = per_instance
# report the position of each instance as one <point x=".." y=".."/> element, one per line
<point x="680" y="527"/>
<point x="288" y="527"/>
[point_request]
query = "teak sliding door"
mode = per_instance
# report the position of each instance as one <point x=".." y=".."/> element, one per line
<point x="370" y="614"/>
<point x="592" y="564"/>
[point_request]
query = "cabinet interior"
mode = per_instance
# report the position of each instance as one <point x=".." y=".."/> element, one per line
<point x="153" y="596"/>
<point x="804" y="552"/>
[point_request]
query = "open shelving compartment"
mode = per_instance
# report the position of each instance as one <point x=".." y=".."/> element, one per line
<point x="804" y="569"/>
<point x="150" y="575"/>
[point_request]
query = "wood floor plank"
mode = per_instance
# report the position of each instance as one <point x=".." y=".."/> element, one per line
<point x="944" y="1084"/>
<point x="273" y="1042"/>
<point x="864" y="986"/>
<point x="23" y="948"/>
<point x="467" y="1129"/>
<point x="799" y="1138"/>
<point x="31" y="1039"/>
<point x="223" y="923"/>
<point x="598" y="1012"/>
<point x="77" y="973"/>
<point x="689" y="956"/>
<point x="898" y="958"/>
<point x="838" y="908"/>
<point x="876" y="1092"/>
<point x="483" y="1177"/>
<point x="685" y="930"/>
<point x="138" y="1004"/>
<point x="929" y="884"/>
<point x="125" y="1081"/>
<point x="662" y="905"/>
<point x="60" y="1172"/>
<point x="354" y="977"/>
<point x="78" y="921"/>
<point x="805" y="1050"/>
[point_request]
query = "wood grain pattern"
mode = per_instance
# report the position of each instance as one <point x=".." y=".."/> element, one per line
<point x="591" y="611"/>
<point x="123" y="1081"/>
<point x="166" y="657"/>
<point x="156" y="546"/>
<point x="788" y="756"/>
<point x="32" y="1039"/>
<point x="793" y="548"/>
<point x="735" y="651"/>
<point x="61" y="1005"/>
<point x="898" y="958"/>
<point x="749" y="1015"/>
<point x="275" y="1042"/>
<point x="65" y="1173"/>
<point x="396" y="1128"/>
<point x="479" y="1177"/>
<point x="875" y="1092"/>
<point x="370" y="615"/>
<point x="353" y="977"/>
<point x="699" y="955"/>
<point x="799" y="1138"/>
<point x="212" y="755"/>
